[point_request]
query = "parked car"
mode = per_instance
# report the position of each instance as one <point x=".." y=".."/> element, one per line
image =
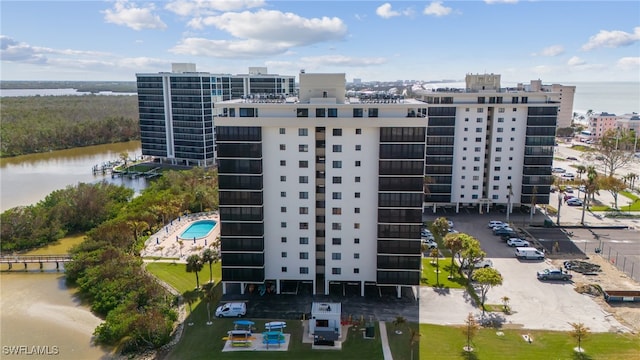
<point x="573" y="158"/>
<point x="516" y="242"/>
<point x="558" y="170"/>
<point x="582" y="188"/>
<point x="426" y="232"/>
<point x="430" y="244"/>
<point x="450" y="224"/>
<point x="509" y="235"/>
<point x="496" y="223"/>
<point x="574" y="202"/>
<point x="568" y="176"/>
<point x="504" y="230"/>
<point x="553" y="274"/>
<point x="484" y="263"/>
<point x="429" y="237"/>
<point x="599" y="157"/>
<point x="567" y="197"/>
<point x="500" y="226"/>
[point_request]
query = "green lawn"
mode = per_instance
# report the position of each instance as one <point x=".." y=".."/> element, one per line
<point x="176" y="275"/>
<point x="634" y="206"/>
<point x="428" y="277"/>
<point x="201" y="341"/>
<point x="401" y="345"/>
<point x="205" y="342"/>
<point x="446" y="342"/>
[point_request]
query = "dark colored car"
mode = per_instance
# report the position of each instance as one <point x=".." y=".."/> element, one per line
<point x="553" y="274"/>
<point x="502" y="231"/>
<point x="572" y="158"/>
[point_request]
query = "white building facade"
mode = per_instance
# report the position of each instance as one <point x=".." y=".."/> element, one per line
<point x="324" y="191"/>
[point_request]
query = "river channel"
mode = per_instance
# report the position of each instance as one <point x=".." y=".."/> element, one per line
<point x="40" y="317"/>
<point x="25" y="180"/>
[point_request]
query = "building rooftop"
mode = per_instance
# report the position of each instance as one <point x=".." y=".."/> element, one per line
<point x="326" y="308"/>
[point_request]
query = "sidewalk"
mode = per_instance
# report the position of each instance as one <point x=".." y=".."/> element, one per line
<point x="386" y="351"/>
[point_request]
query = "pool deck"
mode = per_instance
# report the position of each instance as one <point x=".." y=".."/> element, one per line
<point x="166" y="243"/>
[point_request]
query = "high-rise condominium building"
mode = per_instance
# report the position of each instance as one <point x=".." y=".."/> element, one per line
<point x="325" y="191"/>
<point x="175" y="108"/>
<point x="489" y="146"/>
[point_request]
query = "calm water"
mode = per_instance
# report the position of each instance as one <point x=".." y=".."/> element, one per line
<point x="612" y="97"/>
<point x="37" y="308"/>
<point x="25" y="180"/>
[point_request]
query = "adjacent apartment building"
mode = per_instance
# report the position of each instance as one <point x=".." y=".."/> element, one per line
<point x="489" y="146"/>
<point x="323" y="191"/>
<point x="176" y="109"/>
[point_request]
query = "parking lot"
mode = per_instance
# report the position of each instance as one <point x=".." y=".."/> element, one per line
<point x="549" y="305"/>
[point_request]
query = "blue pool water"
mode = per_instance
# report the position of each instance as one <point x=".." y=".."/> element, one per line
<point x="198" y="229"/>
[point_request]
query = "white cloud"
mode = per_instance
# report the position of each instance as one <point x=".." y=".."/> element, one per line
<point x="436" y="9"/>
<point x="260" y="33"/>
<point x="64" y="60"/>
<point x="230" y="48"/>
<point x="612" y="39"/>
<point x="208" y="7"/>
<point x="137" y="18"/>
<point x="553" y="50"/>
<point x="629" y="63"/>
<point x="14" y="51"/>
<point x="576" y="61"/>
<point x="384" y="11"/>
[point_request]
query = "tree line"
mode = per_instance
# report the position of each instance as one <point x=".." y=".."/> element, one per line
<point x="106" y="267"/>
<point x="35" y="124"/>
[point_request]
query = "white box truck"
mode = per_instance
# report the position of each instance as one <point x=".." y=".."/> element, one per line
<point x="529" y="253"/>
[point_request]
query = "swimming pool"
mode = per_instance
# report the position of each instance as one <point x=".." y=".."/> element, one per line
<point x="198" y="229"/>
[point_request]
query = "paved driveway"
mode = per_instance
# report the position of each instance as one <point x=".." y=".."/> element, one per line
<point x="535" y="304"/>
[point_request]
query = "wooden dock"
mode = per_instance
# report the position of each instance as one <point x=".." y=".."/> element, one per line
<point x="35" y="259"/>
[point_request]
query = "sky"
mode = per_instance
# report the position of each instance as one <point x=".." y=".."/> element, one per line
<point x="522" y="40"/>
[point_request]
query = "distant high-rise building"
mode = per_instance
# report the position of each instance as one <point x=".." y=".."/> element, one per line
<point x="175" y="109"/>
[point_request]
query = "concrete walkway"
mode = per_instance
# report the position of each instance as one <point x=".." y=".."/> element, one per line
<point x="386" y="351"/>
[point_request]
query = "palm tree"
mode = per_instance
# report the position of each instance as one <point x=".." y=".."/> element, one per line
<point x="632" y="177"/>
<point x="580" y="169"/>
<point x="208" y="294"/>
<point x="505" y="304"/>
<point x="209" y="256"/>
<point x="194" y="264"/>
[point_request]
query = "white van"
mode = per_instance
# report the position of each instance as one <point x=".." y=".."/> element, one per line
<point x="529" y="253"/>
<point x="232" y="310"/>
